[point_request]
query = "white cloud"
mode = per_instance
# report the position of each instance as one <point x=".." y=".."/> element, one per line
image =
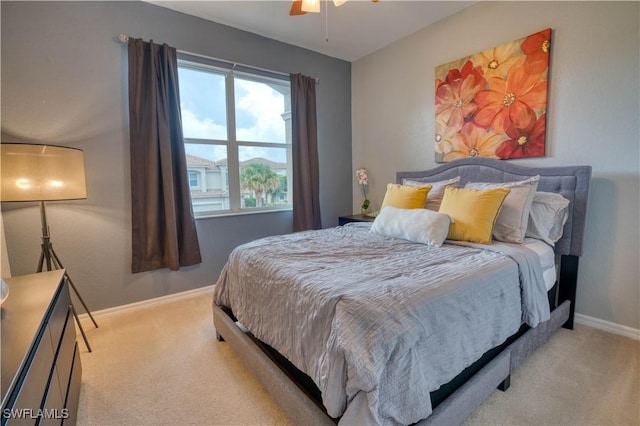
<point x="266" y="106"/>
<point x="193" y="127"/>
<point x="209" y="152"/>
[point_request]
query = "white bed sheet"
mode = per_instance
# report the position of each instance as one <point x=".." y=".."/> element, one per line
<point x="547" y="260"/>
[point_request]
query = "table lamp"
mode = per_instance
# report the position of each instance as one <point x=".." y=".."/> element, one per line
<point x="45" y="173"/>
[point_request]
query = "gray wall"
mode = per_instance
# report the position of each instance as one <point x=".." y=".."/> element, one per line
<point x="592" y="118"/>
<point x="64" y="81"/>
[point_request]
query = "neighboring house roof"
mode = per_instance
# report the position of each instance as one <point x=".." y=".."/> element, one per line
<point x="194" y="161"/>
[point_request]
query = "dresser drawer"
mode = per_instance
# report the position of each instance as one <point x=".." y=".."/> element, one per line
<point x="33" y="387"/>
<point x="59" y="313"/>
<point x="64" y="362"/>
<point x="73" y="392"/>
<point x="52" y="413"/>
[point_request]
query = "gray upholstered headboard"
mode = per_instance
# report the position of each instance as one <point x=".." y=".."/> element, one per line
<point x="570" y="181"/>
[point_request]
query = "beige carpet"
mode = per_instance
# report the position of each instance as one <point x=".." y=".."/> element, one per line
<point x="163" y="366"/>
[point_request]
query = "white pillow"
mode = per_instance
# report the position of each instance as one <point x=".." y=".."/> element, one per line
<point x="547" y="217"/>
<point x="511" y="223"/>
<point x="417" y="225"/>
<point x="434" y="198"/>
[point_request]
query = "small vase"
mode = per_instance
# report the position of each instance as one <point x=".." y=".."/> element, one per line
<point x="365" y="207"/>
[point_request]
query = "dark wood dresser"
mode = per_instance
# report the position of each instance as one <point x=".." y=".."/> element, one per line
<point x="41" y="367"/>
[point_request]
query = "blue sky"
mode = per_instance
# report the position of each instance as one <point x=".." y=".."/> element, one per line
<point x="258" y="115"/>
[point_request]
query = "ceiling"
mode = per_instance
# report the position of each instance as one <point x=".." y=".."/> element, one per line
<point x="355" y="29"/>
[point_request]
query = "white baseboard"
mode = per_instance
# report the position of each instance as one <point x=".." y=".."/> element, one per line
<point x="131" y="307"/>
<point x="611" y="327"/>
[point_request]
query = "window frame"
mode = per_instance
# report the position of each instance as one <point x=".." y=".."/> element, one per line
<point x="232" y="144"/>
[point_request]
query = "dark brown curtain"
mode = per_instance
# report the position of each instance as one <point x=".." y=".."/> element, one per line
<point x="306" y="181"/>
<point x="163" y="227"/>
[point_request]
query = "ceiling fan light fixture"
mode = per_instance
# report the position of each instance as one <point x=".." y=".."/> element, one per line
<point x="301" y="7"/>
<point x="296" y="8"/>
<point x="310" y="6"/>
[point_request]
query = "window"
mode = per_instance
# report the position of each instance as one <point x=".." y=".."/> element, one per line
<point x="237" y="134"/>
<point x="193" y="179"/>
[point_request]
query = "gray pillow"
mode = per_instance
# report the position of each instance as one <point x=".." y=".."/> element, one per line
<point x="511" y="223"/>
<point x="549" y="212"/>
<point x="434" y="198"/>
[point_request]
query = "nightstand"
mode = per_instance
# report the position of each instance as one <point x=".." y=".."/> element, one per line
<point x="354" y="218"/>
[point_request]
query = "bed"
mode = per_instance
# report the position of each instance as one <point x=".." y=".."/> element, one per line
<point x="369" y="340"/>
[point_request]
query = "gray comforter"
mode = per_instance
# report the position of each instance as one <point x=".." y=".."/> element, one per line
<point x="378" y="323"/>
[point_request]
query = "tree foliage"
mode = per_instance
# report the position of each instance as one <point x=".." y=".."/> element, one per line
<point x="259" y="178"/>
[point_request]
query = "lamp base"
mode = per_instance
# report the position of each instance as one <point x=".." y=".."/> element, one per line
<point x="49" y="256"/>
<point x="53" y="262"/>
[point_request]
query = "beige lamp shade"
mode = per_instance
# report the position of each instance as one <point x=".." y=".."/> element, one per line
<point x="42" y="173"/>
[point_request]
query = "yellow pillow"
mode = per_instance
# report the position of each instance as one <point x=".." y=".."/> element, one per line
<point x="473" y="211"/>
<point x="405" y="197"/>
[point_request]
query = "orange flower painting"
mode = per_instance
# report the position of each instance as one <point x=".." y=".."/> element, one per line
<point x="494" y="103"/>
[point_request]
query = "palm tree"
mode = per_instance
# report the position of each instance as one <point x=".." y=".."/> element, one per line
<point x="259" y="178"/>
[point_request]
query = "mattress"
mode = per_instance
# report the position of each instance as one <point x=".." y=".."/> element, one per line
<point x="547" y="260"/>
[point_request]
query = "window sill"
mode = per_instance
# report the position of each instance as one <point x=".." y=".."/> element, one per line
<point x="243" y="213"/>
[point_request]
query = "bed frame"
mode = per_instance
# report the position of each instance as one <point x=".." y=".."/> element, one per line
<point x="455" y="401"/>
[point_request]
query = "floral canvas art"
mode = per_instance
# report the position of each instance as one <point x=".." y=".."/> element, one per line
<point x="494" y="103"/>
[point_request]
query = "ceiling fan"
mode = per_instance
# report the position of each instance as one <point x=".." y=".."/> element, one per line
<point x="301" y="7"/>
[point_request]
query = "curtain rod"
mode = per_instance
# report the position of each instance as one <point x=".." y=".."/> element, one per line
<point x="125" y="39"/>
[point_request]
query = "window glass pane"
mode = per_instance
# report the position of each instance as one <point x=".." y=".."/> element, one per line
<point x="263" y="112"/>
<point x="207" y="168"/>
<point x="265" y="177"/>
<point x="193" y="179"/>
<point x="203" y="104"/>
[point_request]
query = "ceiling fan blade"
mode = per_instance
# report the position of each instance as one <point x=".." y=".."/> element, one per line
<point x="296" y="8"/>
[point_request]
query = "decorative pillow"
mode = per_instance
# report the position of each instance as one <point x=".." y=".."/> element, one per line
<point x="549" y="213"/>
<point x="405" y="197"/>
<point x="437" y="190"/>
<point x="417" y="225"/>
<point x="511" y="224"/>
<point x="473" y="212"/>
